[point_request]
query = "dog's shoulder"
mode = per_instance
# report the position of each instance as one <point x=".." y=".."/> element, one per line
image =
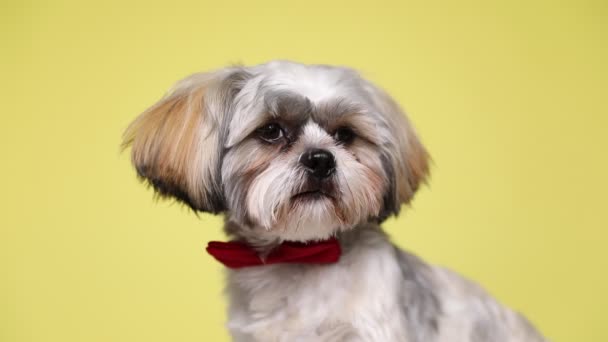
<point x="442" y="305"/>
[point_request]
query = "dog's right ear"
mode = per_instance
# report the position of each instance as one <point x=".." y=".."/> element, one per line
<point x="177" y="143"/>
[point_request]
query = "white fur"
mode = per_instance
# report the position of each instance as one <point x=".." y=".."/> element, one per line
<point x="355" y="298"/>
<point x="205" y="144"/>
<point x="359" y="299"/>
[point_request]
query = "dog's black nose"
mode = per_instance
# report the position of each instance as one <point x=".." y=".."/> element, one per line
<point x="320" y="163"/>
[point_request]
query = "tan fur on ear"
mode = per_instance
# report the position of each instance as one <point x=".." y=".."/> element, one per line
<point x="417" y="165"/>
<point x="175" y="144"/>
<point x="410" y="158"/>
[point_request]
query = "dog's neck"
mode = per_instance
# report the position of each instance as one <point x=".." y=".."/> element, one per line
<point x="256" y="237"/>
<point x="264" y="241"/>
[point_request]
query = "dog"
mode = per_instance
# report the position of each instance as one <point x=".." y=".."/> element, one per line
<point x="310" y="160"/>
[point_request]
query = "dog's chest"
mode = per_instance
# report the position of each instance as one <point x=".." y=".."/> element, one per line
<point x="355" y="298"/>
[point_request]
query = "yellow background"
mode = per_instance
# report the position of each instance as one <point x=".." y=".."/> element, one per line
<point x="510" y="99"/>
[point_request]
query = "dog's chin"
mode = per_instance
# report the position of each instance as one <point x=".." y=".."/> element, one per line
<point x="312" y="215"/>
<point x="314" y="210"/>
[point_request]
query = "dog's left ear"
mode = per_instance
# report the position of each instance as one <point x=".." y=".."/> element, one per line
<point x="406" y="159"/>
<point x="177" y="143"/>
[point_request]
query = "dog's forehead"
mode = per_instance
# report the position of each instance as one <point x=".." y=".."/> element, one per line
<point x="318" y="83"/>
<point x="296" y="93"/>
<point x="295" y="107"/>
<point x="288" y="105"/>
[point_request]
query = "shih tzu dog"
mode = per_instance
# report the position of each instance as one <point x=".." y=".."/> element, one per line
<point x="305" y="162"/>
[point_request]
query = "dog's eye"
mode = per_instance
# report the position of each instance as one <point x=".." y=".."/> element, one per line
<point x="271" y="132"/>
<point x="344" y="135"/>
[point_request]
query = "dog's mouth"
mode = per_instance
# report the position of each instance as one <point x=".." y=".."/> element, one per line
<point x="312" y="195"/>
<point x="314" y="190"/>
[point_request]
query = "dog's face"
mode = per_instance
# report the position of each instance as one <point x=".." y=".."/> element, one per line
<point x="298" y="152"/>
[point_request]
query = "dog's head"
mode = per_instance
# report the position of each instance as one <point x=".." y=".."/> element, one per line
<point x="300" y="151"/>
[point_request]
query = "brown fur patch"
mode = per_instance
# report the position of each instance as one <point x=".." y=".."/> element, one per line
<point x="167" y="141"/>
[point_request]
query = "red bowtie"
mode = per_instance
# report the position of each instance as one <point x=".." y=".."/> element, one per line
<point x="237" y="254"/>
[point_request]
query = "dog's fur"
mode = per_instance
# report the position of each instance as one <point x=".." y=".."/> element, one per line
<point x="230" y="142"/>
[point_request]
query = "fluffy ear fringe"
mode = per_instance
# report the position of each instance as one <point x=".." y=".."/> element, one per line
<point x="175" y="146"/>
<point x="408" y="157"/>
<point x="417" y="166"/>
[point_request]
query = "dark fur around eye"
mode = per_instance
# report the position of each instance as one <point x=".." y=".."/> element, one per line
<point x="270" y="132"/>
<point x="344" y="135"/>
